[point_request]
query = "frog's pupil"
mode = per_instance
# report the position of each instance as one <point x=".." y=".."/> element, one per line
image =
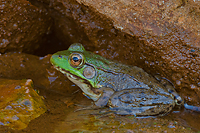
<point x="75" y="59"/>
<point x="60" y="56"/>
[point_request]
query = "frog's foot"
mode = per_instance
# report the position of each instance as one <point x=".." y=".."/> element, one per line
<point x="96" y="110"/>
<point x="145" y="111"/>
<point x="84" y="107"/>
<point x="140" y="102"/>
<point x="92" y="107"/>
<point x="170" y="88"/>
<point x="191" y="107"/>
<point x="135" y="113"/>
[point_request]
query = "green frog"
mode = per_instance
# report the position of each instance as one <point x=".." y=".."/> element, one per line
<point x="126" y="90"/>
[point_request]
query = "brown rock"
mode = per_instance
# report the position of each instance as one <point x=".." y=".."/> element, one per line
<point x="22" y="26"/>
<point x="19" y="103"/>
<point x="24" y="66"/>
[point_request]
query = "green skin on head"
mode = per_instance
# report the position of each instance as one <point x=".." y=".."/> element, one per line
<point x="127" y="90"/>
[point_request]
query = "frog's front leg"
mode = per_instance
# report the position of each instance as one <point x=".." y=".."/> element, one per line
<point x="106" y="93"/>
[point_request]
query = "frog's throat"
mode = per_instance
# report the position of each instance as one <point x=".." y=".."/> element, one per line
<point x="85" y="86"/>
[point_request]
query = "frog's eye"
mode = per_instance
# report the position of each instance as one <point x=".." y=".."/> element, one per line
<point x="76" y="59"/>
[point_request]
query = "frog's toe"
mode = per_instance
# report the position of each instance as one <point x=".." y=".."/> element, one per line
<point x="142" y="112"/>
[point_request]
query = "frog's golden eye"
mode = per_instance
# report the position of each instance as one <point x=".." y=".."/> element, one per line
<point x="76" y="59"/>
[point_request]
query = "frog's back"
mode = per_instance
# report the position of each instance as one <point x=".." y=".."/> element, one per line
<point x="120" y="76"/>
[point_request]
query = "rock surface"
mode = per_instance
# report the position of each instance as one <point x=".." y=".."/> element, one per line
<point x="19" y="103"/>
<point x="24" y="66"/>
<point x="22" y="26"/>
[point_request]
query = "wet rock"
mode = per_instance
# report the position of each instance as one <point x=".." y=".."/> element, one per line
<point x="19" y="103"/>
<point x="39" y="69"/>
<point x="159" y="36"/>
<point x="22" y="26"/>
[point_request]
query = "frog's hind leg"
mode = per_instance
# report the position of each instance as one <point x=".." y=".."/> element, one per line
<point x="171" y="89"/>
<point x="179" y="101"/>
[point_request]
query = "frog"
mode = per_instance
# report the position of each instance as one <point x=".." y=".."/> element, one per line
<point x="124" y="89"/>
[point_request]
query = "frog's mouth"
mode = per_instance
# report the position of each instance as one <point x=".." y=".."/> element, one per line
<point x="85" y="86"/>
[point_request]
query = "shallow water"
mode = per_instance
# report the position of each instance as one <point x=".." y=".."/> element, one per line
<point x="63" y="116"/>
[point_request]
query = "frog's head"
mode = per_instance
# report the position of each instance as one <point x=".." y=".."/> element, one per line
<point x="74" y="63"/>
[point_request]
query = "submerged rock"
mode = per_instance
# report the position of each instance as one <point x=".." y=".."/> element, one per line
<point x="19" y="103"/>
